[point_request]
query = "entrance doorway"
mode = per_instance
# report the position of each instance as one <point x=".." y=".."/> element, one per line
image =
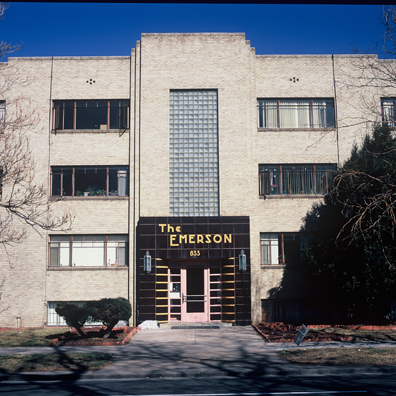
<point x="195" y="291"/>
<point x="194" y="288"/>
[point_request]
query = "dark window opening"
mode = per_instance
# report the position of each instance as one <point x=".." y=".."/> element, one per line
<point x="90" y="114"/>
<point x="104" y="181"/>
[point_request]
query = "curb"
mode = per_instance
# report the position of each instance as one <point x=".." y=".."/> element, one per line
<point x="289" y="371"/>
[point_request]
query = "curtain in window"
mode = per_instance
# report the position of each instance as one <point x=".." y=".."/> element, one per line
<point x="116" y="250"/>
<point x="298" y="179"/>
<point x="268" y="114"/>
<point x="294" y="113"/>
<point x="89" y="251"/>
<point x="269" y="248"/>
<point x="60" y="251"/>
<point x="322" y="113"/>
<point x="269" y="180"/>
<point x="123" y="183"/>
<point x="324" y="175"/>
<point x="2" y="110"/>
<point x="389" y="111"/>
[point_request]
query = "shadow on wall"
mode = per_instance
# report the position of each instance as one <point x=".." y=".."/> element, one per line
<point x="297" y="300"/>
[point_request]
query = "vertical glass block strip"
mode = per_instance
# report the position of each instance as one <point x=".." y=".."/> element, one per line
<point x="193" y="153"/>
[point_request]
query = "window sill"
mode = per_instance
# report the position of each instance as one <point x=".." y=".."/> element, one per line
<point x="272" y="266"/>
<point x="296" y="129"/>
<point x="119" y="131"/>
<point x="82" y="198"/>
<point x="115" y="268"/>
<point x="280" y="266"/>
<point x="292" y="196"/>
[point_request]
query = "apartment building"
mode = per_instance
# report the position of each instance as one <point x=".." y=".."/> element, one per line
<point x="188" y="167"/>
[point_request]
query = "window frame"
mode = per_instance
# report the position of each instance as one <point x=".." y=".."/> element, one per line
<point x="2" y="113"/>
<point x="122" y="239"/>
<point x="121" y="170"/>
<point x="281" y="237"/>
<point x="59" y="106"/>
<point x="386" y="118"/>
<point x="266" y="185"/>
<point x="311" y="110"/>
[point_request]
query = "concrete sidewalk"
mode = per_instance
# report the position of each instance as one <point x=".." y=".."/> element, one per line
<point x="195" y="352"/>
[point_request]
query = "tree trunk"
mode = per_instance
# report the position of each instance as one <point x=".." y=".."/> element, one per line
<point x="80" y="331"/>
<point x="109" y="328"/>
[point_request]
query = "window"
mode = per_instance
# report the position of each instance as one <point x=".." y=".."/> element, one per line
<point x="90" y="114"/>
<point x="2" y="113"/>
<point x="54" y="319"/>
<point x="295" y="179"/>
<point x="88" y="250"/>
<point x="281" y="248"/>
<point x="193" y="153"/>
<point x="295" y="113"/>
<point x="388" y="108"/>
<point x="76" y="181"/>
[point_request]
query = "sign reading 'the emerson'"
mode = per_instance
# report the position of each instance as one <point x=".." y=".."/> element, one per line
<point x="204" y="237"/>
<point x="176" y="238"/>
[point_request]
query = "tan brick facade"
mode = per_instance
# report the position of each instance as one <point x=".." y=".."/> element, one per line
<point x="160" y="63"/>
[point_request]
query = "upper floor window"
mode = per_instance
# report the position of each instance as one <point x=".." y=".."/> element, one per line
<point x="2" y="113"/>
<point x="88" y="250"/>
<point x="388" y="109"/>
<point x="295" y="113"/>
<point x="78" y="181"/>
<point x="280" y="248"/>
<point x="90" y="114"/>
<point x="295" y="179"/>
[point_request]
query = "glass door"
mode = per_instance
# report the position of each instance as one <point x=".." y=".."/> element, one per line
<point x="194" y="288"/>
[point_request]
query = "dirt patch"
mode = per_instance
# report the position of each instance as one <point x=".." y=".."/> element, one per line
<point x="341" y="356"/>
<point x="78" y="362"/>
<point x="280" y="332"/>
<point x="94" y="336"/>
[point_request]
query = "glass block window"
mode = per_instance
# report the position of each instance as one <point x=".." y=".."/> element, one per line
<point x="194" y="174"/>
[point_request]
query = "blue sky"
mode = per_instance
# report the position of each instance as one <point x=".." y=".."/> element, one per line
<point x="102" y="29"/>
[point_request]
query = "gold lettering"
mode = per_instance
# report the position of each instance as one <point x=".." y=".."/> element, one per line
<point x="217" y="238"/>
<point x="200" y="238"/>
<point x="170" y="228"/>
<point x="228" y="238"/>
<point x="178" y="229"/>
<point x="172" y="239"/>
<point x="191" y="238"/>
<point x="207" y="238"/>
<point x="182" y="238"/>
<point x="162" y="227"/>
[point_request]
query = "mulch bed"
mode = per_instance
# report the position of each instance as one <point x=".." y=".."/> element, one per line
<point x="119" y="336"/>
<point x="280" y="332"/>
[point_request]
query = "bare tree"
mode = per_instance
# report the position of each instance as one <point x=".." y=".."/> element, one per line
<point x="372" y="75"/>
<point x="24" y="203"/>
<point x="21" y="197"/>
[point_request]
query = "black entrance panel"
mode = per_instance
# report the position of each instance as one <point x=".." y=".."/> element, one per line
<point x="195" y="290"/>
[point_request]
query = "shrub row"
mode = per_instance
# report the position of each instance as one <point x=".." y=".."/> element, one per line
<point x="108" y="311"/>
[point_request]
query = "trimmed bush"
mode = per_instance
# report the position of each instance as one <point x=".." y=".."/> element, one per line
<point x="74" y="315"/>
<point x="109" y="311"/>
